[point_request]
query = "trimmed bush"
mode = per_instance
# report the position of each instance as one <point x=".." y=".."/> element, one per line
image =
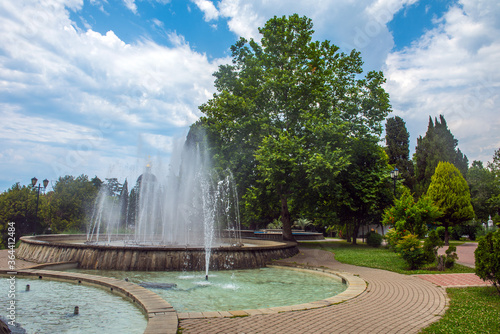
<point x="487" y="257"/>
<point x="431" y="245"/>
<point x="374" y="239"/>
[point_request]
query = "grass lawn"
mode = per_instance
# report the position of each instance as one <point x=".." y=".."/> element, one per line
<point x="381" y="258"/>
<point x="472" y="310"/>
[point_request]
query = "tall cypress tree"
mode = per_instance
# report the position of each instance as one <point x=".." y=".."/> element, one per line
<point x="438" y="145"/>
<point x="398" y="149"/>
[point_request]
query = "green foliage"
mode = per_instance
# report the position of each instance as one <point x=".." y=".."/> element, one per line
<point x="276" y="224"/>
<point x="487" y="256"/>
<point x="374" y="239"/>
<point x="406" y="214"/>
<point x="393" y="236"/>
<point x="431" y="245"/>
<point x="484" y="188"/>
<point x="410" y="250"/>
<point x="302" y="223"/>
<point x="284" y="119"/>
<point x="397" y="140"/>
<point x="436" y="146"/>
<point x="365" y="187"/>
<point x="19" y="205"/>
<point x="451" y="257"/>
<point x="71" y="203"/>
<point x="450" y="193"/>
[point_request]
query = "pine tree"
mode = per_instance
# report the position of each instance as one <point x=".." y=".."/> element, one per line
<point x="397" y="148"/>
<point x="438" y="145"/>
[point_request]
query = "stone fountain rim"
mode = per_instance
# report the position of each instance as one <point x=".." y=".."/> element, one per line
<point x="254" y="244"/>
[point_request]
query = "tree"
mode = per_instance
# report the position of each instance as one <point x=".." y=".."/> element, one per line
<point x="450" y="193"/>
<point x="483" y="188"/>
<point x="365" y="188"/>
<point x="494" y="167"/>
<point x="398" y="149"/>
<point x="18" y="205"/>
<point x="71" y="203"/>
<point x="285" y="112"/>
<point x="487" y="256"/>
<point x="437" y="145"/>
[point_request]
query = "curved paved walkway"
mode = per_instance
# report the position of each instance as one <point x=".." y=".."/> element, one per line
<point x="392" y="303"/>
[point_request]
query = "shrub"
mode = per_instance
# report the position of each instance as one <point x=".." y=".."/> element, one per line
<point x="487" y="257"/>
<point x="440" y="231"/>
<point x="451" y="257"/>
<point x="431" y="245"/>
<point x="374" y="239"/>
<point x="393" y="237"/>
<point x="410" y="250"/>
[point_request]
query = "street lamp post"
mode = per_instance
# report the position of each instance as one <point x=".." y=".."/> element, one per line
<point x="394" y="176"/>
<point x="34" y="186"/>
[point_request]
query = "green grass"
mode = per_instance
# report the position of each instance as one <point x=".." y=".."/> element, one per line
<point x="472" y="310"/>
<point x="380" y="258"/>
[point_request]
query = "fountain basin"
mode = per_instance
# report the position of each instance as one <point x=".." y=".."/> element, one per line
<point x="71" y="248"/>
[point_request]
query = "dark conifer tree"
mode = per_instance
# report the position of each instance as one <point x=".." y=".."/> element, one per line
<point x="398" y="149"/>
<point x="438" y="145"/>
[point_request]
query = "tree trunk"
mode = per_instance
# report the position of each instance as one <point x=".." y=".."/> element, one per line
<point x="285" y="219"/>
<point x="355" y="232"/>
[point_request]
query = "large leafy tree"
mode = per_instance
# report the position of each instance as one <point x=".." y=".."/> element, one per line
<point x="72" y="202"/>
<point x="397" y="141"/>
<point x="365" y="187"/>
<point x="285" y="111"/>
<point x="437" y="145"/>
<point x="484" y="189"/>
<point x="18" y="205"/>
<point x="494" y="201"/>
<point x="450" y="193"/>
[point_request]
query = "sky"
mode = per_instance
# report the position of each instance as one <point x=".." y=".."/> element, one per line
<point x="98" y="87"/>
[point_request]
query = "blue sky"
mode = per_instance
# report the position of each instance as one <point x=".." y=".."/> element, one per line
<point x="95" y="87"/>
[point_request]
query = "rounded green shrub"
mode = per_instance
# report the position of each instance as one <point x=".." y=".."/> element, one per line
<point x="411" y="252"/>
<point x="374" y="239"/>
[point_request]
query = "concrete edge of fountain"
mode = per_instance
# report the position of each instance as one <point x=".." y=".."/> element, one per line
<point x="161" y="316"/>
<point x="355" y="286"/>
<point x="70" y="248"/>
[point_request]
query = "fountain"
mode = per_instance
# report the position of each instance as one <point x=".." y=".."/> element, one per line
<point x="186" y="219"/>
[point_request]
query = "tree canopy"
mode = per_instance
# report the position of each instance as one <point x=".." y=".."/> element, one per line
<point x="286" y="112"/>
<point x="450" y="193"/>
<point x="397" y="141"/>
<point x="437" y="145"/>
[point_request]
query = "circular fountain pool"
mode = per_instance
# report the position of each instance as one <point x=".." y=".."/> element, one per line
<point x="234" y="289"/>
<point x="48" y="307"/>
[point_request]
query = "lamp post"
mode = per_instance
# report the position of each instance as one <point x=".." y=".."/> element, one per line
<point x="34" y="186"/>
<point x="394" y="176"/>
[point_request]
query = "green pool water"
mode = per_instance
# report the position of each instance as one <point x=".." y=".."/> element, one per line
<point x="49" y="305"/>
<point x="235" y="289"/>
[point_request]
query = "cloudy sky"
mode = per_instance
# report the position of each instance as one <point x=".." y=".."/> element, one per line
<point x="95" y="87"/>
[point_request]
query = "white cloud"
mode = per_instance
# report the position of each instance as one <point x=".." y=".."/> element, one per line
<point x="130" y="4"/>
<point x="208" y="8"/>
<point x="453" y="70"/>
<point x="85" y="97"/>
